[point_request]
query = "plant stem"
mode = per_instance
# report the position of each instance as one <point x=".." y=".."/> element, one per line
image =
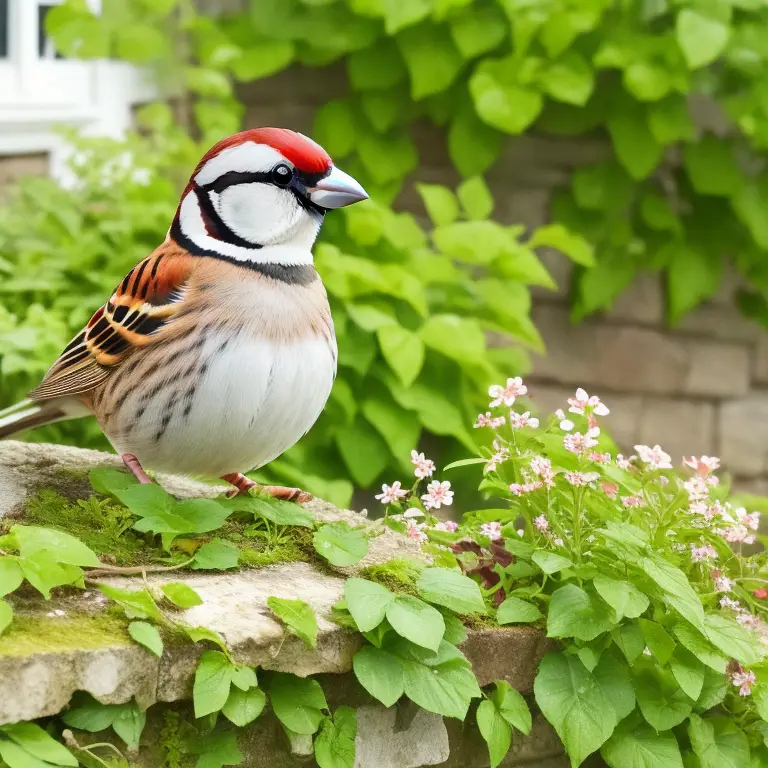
<point x="116" y="570"/>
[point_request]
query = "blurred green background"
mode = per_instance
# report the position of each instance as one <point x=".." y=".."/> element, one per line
<point x="416" y="295"/>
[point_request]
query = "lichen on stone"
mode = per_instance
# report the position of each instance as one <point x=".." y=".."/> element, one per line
<point x="398" y="575"/>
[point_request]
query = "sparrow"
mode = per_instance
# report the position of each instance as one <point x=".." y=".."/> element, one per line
<point x="217" y="352"/>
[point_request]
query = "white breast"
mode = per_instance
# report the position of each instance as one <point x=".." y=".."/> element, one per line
<point x="255" y="399"/>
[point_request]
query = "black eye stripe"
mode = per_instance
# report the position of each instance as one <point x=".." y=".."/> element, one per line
<point x="230" y="178"/>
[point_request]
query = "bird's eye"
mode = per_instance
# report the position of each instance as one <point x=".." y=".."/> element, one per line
<point x="282" y="175"/>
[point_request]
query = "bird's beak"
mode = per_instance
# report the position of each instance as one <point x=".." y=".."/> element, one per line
<point x="336" y="190"/>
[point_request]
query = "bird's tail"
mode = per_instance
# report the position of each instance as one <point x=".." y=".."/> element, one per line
<point x="29" y="414"/>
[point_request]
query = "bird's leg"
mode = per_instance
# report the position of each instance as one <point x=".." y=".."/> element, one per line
<point x="133" y="464"/>
<point x="243" y="485"/>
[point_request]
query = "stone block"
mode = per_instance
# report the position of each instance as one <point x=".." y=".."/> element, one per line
<point x="681" y="427"/>
<point x="309" y="86"/>
<point x="760" y="359"/>
<point x="743" y="433"/>
<point x="717" y="370"/>
<point x="721" y="322"/>
<point x="561" y="269"/>
<point x="642" y="302"/>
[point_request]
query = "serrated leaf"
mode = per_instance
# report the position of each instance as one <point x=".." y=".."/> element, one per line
<point x="298" y="616"/>
<point x="147" y="635"/>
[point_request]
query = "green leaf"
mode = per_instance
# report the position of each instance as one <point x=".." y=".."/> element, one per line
<point x="496" y="731"/>
<point x="512" y="706"/>
<point x="573" y="613"/>
<point x="90" y="716"/>
<point x="380" y="673"/>
<point x="575" y="704"/>
<point x="367" y="601"/>
<point x="622" y="596"/>
<point x="677" y="590"/>
<point x="614" y="679"/>
<point x="36" y="742"/>
<point x="576" y="248"/>
<point x="711" y="166"/>
<point x="403" y="350"/>
<point x="441" y="204"/>
<point x="340" y="544"/>
<point x="335" y="127"/>
<point x="713" y="691"/>
<point x="129" y="724"/>
<point x="431" y="56"/>
<point x="630" y="640"/>
<point x="298" y="616"/>
<point x="663" y="704"/>
<point x="109" y="481"/>
<point x="364" y="452"/>
<point x="244" y="678"/>
<point x="569" y="79"/>
<point x="692" y="276"/>
<point x="451" y="589"/>
<point x="550" y="562"/>
<point x="458" y="338"/>
<point x="297" y="702"/>
<point x="637" y="148"/>
<point x="6" y="616"/>
<point x="416" y="621"/>
<point x="509" y="108"/>
<point x="478" y="29"/>
<point x="718" y="742"/>
<point x="396" y="425"/>
<point x="11" y="575"/>
<point x="279" y="512"/>
<point x="147" y="635"/>
<point x="335" y="744"/>
<point x="472" y="145"/>
<point x="658" y="640"/>
<point x="688" y="671"/>
<point x="728" y="636"/>
<point x="262" y="59"/>
<point x="516" y="611"/>
<point x="398" y="15"/>
<point x="641" y="747"/>
<point x="475" y="198"/>
<point x="699" y="646"/>
<point x="137" y="604"/>
<point x="219" y="748"/>
<point x="181" y="594"/>
<point x="216" y="555"/>
<point x="213" y="679"/>
<point x="60" y="547"/>
<point x="701" y="38"/>
<point x="243" y="707"/>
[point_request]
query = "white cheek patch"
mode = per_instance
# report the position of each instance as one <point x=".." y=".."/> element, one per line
<point x="243" y="158"/>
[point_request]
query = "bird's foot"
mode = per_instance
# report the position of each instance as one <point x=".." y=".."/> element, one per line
<point x="132" y="463"/>
<point x="243" y="485"/>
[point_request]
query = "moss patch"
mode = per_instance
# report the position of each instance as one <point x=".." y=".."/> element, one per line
<point x="398" y="575"/>
<point x="43" y="634"/>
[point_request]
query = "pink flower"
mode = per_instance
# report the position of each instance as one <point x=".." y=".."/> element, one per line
<point x="391" y="494"/>
<point x="582" y="401"/>
<point x="727" y="602"/>
<point x="707" y="551"/>
<point x="447" y="525"/>
<point x="751" y="520"/>
<point x="486" y="420"/>
<point x="491" y="530"/>
<point x="635" y="500"/>
<point x="696" y="488"/>
<point x="507" y="394"/>
<point x="541" y="523"/>
<point x="518" y="420"/>
<point x="412" y="512"/>
<point x="622" y="462"/>
<point x="501" y="455"/>
<point x="722" y="583"/>
<point x="438" y="494"/>
<point x="416" y="532"/>
<point x="578" y="443"/>
<point x="655" y="457"/>
<point x="743" y="680"/>
<point x="610" y="489"/>
<point x="581" y="478"/>
<point x="565" y="424"/>
<point x="424" y="467"/>
<point x="543" y="468"/>
<point x="703" y="465"/>
<point x="738" y="534"/>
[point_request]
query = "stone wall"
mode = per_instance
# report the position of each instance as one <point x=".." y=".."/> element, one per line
<point x="700" y="388"/>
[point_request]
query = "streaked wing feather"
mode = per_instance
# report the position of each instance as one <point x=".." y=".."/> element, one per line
<point x="147" y="298"/>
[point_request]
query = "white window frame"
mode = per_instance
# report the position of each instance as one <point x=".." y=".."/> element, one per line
<point x="39" y="93"/>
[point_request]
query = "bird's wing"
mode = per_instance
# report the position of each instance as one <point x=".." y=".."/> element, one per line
<point x="149" y="296"/>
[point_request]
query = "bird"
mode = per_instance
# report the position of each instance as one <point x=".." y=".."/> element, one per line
<point x="217" y="352"/>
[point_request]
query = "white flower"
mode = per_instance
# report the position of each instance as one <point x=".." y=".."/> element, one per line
<point x="438" y="494"/>
<point x="491" y="530"/>
<point x="446" y="525"/>
<point x="391" y="494"/>
<point x="518" y="420"/>
<point x="705" y="552"/>
<point x="622" y="462"/>
<point x="486" y="420"/>
<point x="744" y="680"/>
<point x="655" y="457"/>
<point x="501" y="454"/>
<point x="578" y="443"/>
<point x="583" y="402"/>
<point x="581" y="478"/>
<point x="565" y="424"/>
<point x="507" y="394"/>
<point x="703" y="465"/>
<point x="424" y="467"/>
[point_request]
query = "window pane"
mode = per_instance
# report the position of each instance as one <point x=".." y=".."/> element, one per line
<point x="45" y="47"/>
<point x="3" y="29"/>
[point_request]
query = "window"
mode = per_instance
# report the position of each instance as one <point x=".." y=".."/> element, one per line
<point x="45" y="47"/>
<point x="4" y="32"/>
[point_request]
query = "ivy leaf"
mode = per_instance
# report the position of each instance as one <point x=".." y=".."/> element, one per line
<point x="512" y="707"/>
<point x="440" y="202"/>
<point x="6" y="616"/>
<point x="91" y="715"/>
<point x="622" y="596"/>
<point x="431" y="56"/>
<point x="641" y="747"/>
<point x="516" y="611"/>
<point x="478" y="29"/>
<point x="575" y="704"/>
<point x="475" y="198"/>
<point x="297" y="702"/>
<point x="380" y="673"/>
<point x="244" y="678"/>
<point x="496" y="731"/>
<point x="692" y="277"/>
<point x="335" y="744"/>
<point x="213" y="679"/>
<point x="32" y="740"/>
<point x="216" y="555"/>
<point x="363" y="450"/>
<point x="688" y="671"/>
<point x="129" y="724"/>
<point x="573" y="613"/>
<point x="451" y="589"/>
<point x="550" y="562"/>
<point x="367" y="601"/>
<point x="711" y="166"/>
<point x="701" y="38"/>
<point x="340" y="544"/>
<point x="60" y="547"/>
<point x="416" y="621"/>
<point x="663" y="704"/>
<point x="635" y="145"/>
<point x="576" y="248"/>
<point x="298" y="616"/>
<point x="243" y="707"/>
<point x="509" y="108"/>
<point x="718" y="742"/>
<point x="181" y="594"/>
<point x="458" y="338"/>
<point x="569" y="79"/>
<point x="147" y="635"/>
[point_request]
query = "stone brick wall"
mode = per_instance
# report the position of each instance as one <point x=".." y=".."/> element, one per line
<point x="700" y="388"/>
